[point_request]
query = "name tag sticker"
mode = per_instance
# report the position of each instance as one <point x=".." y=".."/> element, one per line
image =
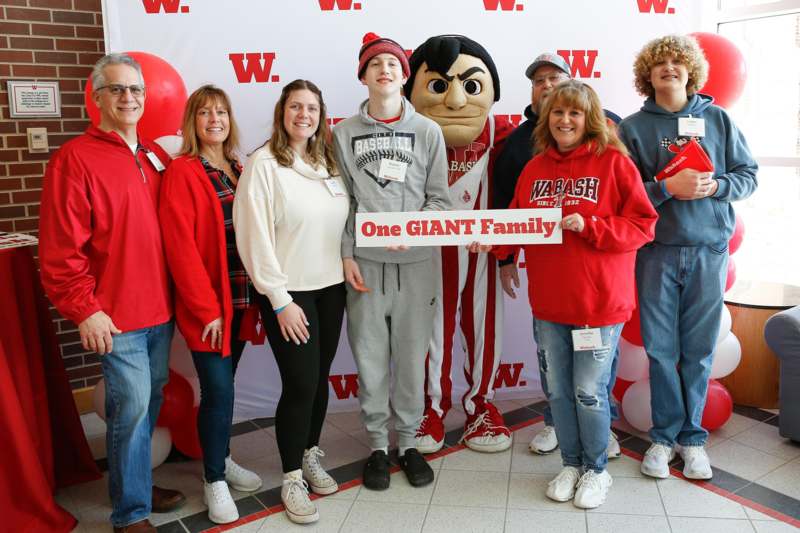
<point x="335" y="188"/>
<point x="392" y="170"/>
<point x="586" y="339"/>
<point x="156" y="161"/>
<point x="691" y="127"/>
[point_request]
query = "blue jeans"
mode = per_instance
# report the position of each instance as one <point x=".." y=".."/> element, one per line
<point x="577" y="385"/>
<point x="548" y="414"/>
<point x="680" y="302"/>
<point x="216" y="375"/>
<point x="135" y="372"/>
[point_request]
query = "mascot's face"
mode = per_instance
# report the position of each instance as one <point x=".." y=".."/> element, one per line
<point x="460" y="102"/>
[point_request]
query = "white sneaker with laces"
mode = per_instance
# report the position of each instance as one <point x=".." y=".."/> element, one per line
<point x="318" y="479"/>
<point x="221" y="507"/>
<point x="656" y="461"/>
<point x="240" y="478"/>
<point x="299" y="507"/>
<point x="612" y="450"/>
<point x="562" y="487"/>
<point x="592" y="489"/>
<point x="545" y="441"/>
<point x="696" y="464"/>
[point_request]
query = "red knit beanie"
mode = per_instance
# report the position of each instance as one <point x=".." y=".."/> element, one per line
<point x="373" y="45"/>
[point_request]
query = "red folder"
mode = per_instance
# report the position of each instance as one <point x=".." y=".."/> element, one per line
<point x="691" y="156"/>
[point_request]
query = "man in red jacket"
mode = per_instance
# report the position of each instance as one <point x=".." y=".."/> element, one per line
<point x="103" y="267"/>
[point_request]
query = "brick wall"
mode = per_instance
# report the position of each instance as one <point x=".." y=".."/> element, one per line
<point x="45" y="40"/>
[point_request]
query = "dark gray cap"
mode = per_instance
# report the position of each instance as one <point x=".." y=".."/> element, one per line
<point x="547" y="59"/>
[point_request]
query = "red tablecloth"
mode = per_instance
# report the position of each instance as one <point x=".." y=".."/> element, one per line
<point x="43" y="445"/>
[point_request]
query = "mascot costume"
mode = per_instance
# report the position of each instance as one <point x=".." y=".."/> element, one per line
<point x="455" y="83"/>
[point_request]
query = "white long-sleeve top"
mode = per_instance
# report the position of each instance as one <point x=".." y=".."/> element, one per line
<point x="288" y="226"/>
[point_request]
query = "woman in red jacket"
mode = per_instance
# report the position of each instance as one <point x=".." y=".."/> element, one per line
<point x="582" y="290"/>
<point x="212" y="290"/>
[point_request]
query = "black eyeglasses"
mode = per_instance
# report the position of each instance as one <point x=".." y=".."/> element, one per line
<point x="118" y="90"/>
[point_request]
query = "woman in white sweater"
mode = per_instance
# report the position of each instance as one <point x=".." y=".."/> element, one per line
<point x="289" y="214"/>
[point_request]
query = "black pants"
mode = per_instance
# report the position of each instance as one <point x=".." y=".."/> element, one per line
<point x="304" y="370"/>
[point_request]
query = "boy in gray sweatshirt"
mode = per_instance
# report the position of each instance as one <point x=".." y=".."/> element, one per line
<point x="390" y="291"/>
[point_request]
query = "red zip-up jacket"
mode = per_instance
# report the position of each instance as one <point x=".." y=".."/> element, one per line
<point x="194" y="238"/>
<point x="100" y="243"/>
<point x="588" y="280"/>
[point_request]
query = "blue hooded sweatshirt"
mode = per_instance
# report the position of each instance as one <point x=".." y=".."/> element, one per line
<point x="651" y="135"/>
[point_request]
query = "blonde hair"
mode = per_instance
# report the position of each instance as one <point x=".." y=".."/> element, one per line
<point x="208" y="94"/>
<point x="320" y="149"/>
<point x="686" y="51"/>
<point x="576" y="94"/>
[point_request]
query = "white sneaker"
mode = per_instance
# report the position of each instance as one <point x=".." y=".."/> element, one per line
<point x="562" y="487"/>
<point x="592" y="489"/>
<point x="221" y="508"/>
<point x="612" y="450"/>
<point x="318" y="479"/>
<point x="545" y="441"/>
<point x="299" y="507"/>
<point x="696" y="464"/>
<point x="240" y="478"/>
<point x="656" y="461"/>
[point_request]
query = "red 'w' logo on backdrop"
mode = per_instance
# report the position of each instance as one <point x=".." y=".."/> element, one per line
<point x="513" y="119"/>
<point x="154" y="7"/>
<point x="344" y="386"/>
<point x="655" y="6"/>
<point x="505" y="5"/>
<point x="254" y="67"/>
<point x="332" y="121"/>
<point x="508" y="375"/>
<point x="581" y="62"/>
<point x="341" y="5"/>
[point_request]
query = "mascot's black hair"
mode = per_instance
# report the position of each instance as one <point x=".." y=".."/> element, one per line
<point x="441" y="51"/>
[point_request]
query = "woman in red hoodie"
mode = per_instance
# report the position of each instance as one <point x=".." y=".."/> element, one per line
<point x="582" y="290"/>
<point x="212" y="290"/>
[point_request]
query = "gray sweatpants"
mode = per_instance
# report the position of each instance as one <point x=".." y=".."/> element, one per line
<point x="389" y="329"/>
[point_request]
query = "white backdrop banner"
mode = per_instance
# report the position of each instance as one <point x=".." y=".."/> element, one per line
<point x="252" y="48"/>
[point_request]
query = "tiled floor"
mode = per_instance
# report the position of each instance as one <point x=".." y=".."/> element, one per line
<point x="756" y="486"/>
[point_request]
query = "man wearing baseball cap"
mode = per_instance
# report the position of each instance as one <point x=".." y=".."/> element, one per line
<point x="546" y="71"/>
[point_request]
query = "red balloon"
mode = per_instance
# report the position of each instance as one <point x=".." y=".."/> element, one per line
<point x="737" y="237"/>
<point x="164" y="100"/>
<point x="620" y="386"/>
<point x="632" y="330"/>
<point x="178" y="401"/>
<point x="727" y="72"/>
<point x="185" y="436"/>
<point x="731" y="279"/>
<point x="719" y="406"/>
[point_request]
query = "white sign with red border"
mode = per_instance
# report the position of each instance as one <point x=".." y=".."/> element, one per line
<point x="442" y="228"/>
<point x="33" y="99"/>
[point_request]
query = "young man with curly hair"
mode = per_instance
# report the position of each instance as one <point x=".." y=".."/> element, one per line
<point x="681" y="274"/>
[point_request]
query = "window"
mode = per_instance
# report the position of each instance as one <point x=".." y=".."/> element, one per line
<point x="768" y="35"/>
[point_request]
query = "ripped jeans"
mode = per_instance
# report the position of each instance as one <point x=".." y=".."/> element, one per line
<point x="577" y="385"/>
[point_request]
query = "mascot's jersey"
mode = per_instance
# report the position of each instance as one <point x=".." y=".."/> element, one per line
<point x="461" y="159"/>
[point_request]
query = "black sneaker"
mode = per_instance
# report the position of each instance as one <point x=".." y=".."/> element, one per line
<point x="416" y="468"/>
<point x="376" y="471"/>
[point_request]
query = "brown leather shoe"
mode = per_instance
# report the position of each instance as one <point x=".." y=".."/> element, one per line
<point x="166" y="500"/>
<point x="142" y="526"/>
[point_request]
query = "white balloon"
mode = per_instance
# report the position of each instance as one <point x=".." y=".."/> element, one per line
<point x="180" y="358"/>
<point x="171" y="144"/>
<point x="160" y="445"/>
<point x="99" y="398"/>
<point x="724" y="324"/>
<point x="636" y="405"/>
<point x="195" y="383"/>
<point x="727" y="356"/>
<point x="633" y="364"/>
